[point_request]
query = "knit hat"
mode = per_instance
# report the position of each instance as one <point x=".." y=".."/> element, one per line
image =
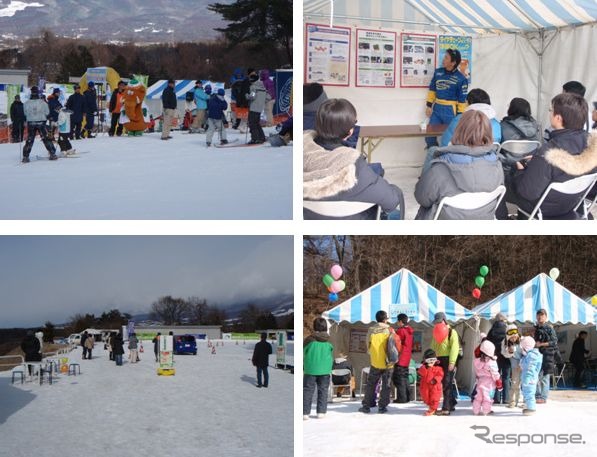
<point x="429" y="354"/>
<point x="221" y="92"/>
<point x="527" y="343"/>
<point x="56" y="90"/>
<point x="313" y="97"/>
<point x="488" y="349"/>
<point x="90" y="84"/>
<point x="207" y="89"/>
<point x="34" y="90"/>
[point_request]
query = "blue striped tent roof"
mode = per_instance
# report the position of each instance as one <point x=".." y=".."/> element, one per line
<point x="402" y="292"/>
<point x="522" y="303"/>
<point x="181" y="87"/>
<point x="464" y="16"/>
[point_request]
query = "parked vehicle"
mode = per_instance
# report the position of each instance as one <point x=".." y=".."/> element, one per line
<point x="74" y="338"/>
<point x="185" y="344"/>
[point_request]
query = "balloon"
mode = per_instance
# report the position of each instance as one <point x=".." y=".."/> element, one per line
<point x="341" y="285"/>
<point x="479" y="281"/>
<point x="554" y="273"/>
<point x="335" y="287"/>
<point x="484" y="270"/>
<point x="336" y="271"/>
<point x="476" y="293"/>
<point x="328" y="280"/>
<point x="333" y="297"/>
<point x="594" y="300"/>
<point x="440" y="332"/>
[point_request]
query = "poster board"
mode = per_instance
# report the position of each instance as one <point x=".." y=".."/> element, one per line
<point x="280" y="348"/>
<point x="417" y="341"/>
<point x="375" y="58"/>
<point x="465" y="45"/>
<point x="327" y="55"/>
<point x="358" y="341"/>
<point x="418" y="57"/>
<point x="166" y="345"/>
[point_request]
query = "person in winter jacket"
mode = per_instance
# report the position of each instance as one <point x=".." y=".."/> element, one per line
<point x="470" y="164"/>
<point x="36" y="112"/>
<point x="497" y="335"/>
<point x="512" y="353"/>
<point x="488" y="379"/>
<point x="89" y="344"/>
<point x="400" y="373"/>
<point x="169" y="107"/>
<point x="518" y="125"/>
<point x="568" y="154"/>
<point x="54" y="106"/>
<point x="118" y="348"/>
<point x="578" y="356"/>
<point x="333" y="171"/>
<point x="431" y="381"/>
<point x="237" y="75"/>
<point x="239" y="90"/>
<point x="447" y="92"/>
<point x="260" y="360"/>
<point x="32" y="349"/>
<point x="64" y="133"/>
<point x="201" y="100"/>
<point x="342" y="363"/>
<point x="546" y="340"/>
<point x="318" y="359"/>
<point x="447" y="352"/>
<point x="133" y="348"/>
<point x="271" y="91"/>
<point x="156" y="346"/>
<point x="377" y="341"/>
<point x="76" y="104"/>
<point x="84" y="337"/>
<point x="17" y="117"/>
<point x="90" y="109"/>
<point x="257" y="97"/>
<point x="530" y="365"/>
<point x="116" y="106"/>
<point x="215" y="115"/>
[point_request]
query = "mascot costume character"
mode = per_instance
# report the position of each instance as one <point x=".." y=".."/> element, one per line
<point x="134" y="94"/>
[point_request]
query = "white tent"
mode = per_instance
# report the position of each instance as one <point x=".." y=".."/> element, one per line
<point x="519" y="49"/>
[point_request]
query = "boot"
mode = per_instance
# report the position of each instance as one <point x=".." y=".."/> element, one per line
<point x="224" y="142"/>
<point x="53" y="156"/>
<point x="25" y="159"/>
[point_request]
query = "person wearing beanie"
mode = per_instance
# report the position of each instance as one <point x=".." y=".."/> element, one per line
<point x="216" y="105"/>
<point x="54" y="106"/>
<point x="496" y="335"/>
<point x="90" y="110"/>
<point x="257" y="97"/>
<point x="169" y="108"/>
<point x="36" y="112"/>
<point x="318" y="359"/>
<point x="431" y="381"/>
<point x="76" y="104"/>
<point x="17" y="118"/>
<point x="488" y="378"/>
<point x="447" y="93"/>
<point x="530" y="365"/>
<point x="511" y="352"/>
<point x="201" y="100"/>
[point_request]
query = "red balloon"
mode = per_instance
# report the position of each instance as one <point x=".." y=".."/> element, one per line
<point x="440" y="332"/>
<point x="476" y="293"/>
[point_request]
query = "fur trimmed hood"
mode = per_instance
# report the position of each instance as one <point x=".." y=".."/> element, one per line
<point x="327" y="173"/>
<point x="575" y="165"/>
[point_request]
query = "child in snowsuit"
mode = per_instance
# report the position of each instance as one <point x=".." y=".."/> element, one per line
<point x="215" y="112"/>
<point x="511" y="351"/>
<point x="530" y="364"/>
<point x="431" y="381"/>
<point x="488" y="378"/>
<point x="64" y="132"/>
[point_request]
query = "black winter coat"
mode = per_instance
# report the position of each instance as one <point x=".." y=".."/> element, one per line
<point x="578" y="352"/>
<point x="261" y="354"/>
<point x="338" y="365"/>
<point x="169" y="98"/>
<point x="117" y="345"/>
<point x="90" y="101"/>
<point x="239" y="91"/>
<point x="17" y="112"/>
<point x="31" y="348"/>
<point x="54" y="105"/>
<point x="76" y="103"/>
<point x="546" y="334"/>
<point x="496" y="335"/>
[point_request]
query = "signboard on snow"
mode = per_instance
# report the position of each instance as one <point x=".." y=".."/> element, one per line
<point x="280" y="348"/>
<point x="166" y="351"/>
<point x="283" y="91"/>
<point x="98" y="75"/>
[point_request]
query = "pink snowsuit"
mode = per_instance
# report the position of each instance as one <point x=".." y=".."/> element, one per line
<point x="487" y="374"/>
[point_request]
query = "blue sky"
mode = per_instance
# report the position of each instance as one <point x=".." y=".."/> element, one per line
<point x="54" y="277"/>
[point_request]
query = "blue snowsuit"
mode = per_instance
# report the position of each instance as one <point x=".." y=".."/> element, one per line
<point x="447" y="95"/>
<point x="531" y="366"/>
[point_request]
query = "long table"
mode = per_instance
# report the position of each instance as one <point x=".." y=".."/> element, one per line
<point x="372" y="135"/>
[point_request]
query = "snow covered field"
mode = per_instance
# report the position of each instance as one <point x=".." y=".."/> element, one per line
<point x="405" y="431"/>
<point x="211" y="407"/>
<point x="146" y="178"/>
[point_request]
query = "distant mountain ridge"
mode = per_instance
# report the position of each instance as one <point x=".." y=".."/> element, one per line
<point x="150" y="21"/>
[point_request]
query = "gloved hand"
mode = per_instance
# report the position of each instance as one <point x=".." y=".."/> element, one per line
<point x="433" y="382"/>
<point x="499" y="385"/>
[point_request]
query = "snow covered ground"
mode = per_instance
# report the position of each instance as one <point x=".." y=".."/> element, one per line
<point x="405" y="431"/>
<point x="211" y="407"/>
<point x="146" y="178"/>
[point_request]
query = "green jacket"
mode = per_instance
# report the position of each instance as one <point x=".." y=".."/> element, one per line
<point x="318" y="355"/>
<point x="447" y="348"/>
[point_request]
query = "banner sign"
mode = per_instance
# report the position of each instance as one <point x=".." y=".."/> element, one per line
<point x="410" y="309"/>
<point x="465" y="45"/>
<point x="283" y="91"/>
<point x="166" y="351"/>
<point x="376" y="58"/>
<point x="327" y="55"/>
<point x="98" y="75"/>
<point x="417" y="59"/>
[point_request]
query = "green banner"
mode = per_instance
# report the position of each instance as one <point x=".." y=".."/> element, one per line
<point x="12" y="90"/>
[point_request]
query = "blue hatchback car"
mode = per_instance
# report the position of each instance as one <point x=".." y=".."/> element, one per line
<point x="185" y="344"/>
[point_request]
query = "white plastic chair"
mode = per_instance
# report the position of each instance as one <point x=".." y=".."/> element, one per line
<point x="573" y="186"/>
<point x="517" y="149"/>
<point x="340" y="372"/>
<point x="339" y="208"/>
<point x="469" y="201"/>
<point x="364" y="376"/>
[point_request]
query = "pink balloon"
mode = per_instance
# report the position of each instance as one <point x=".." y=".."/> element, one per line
<point x="335" y="287"/>
<point x="336" y="272"/>
<point x="440" y="332"/>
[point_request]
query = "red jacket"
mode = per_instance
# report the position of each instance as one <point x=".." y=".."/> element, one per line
<point x="431" y="393"/>
<point x="406" y="337"/>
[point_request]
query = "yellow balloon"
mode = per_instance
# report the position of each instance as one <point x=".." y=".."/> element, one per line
<point x="594" y="300"/>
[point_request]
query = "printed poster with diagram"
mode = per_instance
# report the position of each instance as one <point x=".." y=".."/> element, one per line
<point x="358" y="341"/>
<point x="376" y="58"/>
<point x="417" y="59"/>
<point x="465" y="45"/>
<point x="327" y="55"/>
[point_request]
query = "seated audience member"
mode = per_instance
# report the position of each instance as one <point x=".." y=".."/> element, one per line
<point x="469" y="164"/>
<point x="313" y="97"/>
<point x="571" y="87"/>
<point x="335" y="172"/>
<point x="568" y="154"/>
<point x="518" y="125"/>
<point x="477" y="100"/>
<point x="341" y="362"/>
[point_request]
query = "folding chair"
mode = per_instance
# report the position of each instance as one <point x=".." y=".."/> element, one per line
<point x="364" y="375"/>
<point x="333" y="387"/>
<point x="514" y="150"/>
<point x="582" y="184"/>
<point x="559" y="375"/>
<point x="412" y="372"/>
<point x="339" y="208"/>
<point x="469" y="201"/>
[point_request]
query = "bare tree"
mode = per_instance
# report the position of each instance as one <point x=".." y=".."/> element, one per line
<point x="169" y="310"/>
<point x="198" y="309"/>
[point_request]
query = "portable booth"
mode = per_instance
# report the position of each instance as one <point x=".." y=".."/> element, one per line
<point x="402" y="292"/>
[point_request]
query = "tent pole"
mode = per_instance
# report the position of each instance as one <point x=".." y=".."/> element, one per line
<point x="539" y="115"/>
<point x="331" y="14"/>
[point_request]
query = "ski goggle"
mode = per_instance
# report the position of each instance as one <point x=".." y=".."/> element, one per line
<point x="431" y="360"/>
<point x="511" y="332"/>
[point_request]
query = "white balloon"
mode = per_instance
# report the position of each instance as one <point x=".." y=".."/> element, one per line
<point x="554" y="273"/>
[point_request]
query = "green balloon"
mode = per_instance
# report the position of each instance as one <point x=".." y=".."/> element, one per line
<point x="484" y="270"/>
<point x="328" y="280"/>
<point x="479" y="281"/>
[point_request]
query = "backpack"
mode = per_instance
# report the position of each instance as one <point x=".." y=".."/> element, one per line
<point x="460" y="348"/>
<point x="190" y="96"/>
<point x="394" y="347"/>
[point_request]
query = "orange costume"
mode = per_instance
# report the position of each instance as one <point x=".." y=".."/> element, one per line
<point x="134" y="94"/>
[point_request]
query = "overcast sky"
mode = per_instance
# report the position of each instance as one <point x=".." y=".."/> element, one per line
<point x="54" y="277"/>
